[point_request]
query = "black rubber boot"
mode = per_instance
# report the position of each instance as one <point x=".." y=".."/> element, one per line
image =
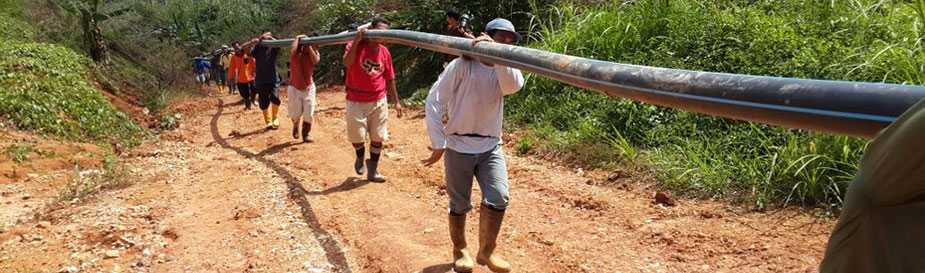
<point x="358" y="164"/>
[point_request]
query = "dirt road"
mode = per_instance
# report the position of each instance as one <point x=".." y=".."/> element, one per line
<point x="221" y="194"/>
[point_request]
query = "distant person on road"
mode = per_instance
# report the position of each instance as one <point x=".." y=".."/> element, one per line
<point x="218" y="71"/>
<point x="882" y="225"/>
<point x="201" y="68"/>
<point x="267" y="79"/>
<point x="471" y="94"/>
<point x="241" y="71"/>
<point x="370" y="80"/>
<point x="301" y="90"/>
<point x="226" y="65"/>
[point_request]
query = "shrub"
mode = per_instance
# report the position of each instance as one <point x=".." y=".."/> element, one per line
<point x="714" y="157"/>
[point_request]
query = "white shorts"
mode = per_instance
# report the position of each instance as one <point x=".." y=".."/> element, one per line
<point x="367" y="118"/>
<point x="302" y="103"/>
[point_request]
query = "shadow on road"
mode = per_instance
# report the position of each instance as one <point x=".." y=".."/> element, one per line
<point x="333" y="252"/>
<point x="349" y="184"/>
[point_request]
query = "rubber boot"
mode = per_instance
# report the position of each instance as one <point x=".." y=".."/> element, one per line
<point x="266" y="118"/>
<point x="306" y="130"/>
<point x="274" y="116"/>
<point x="295" y="129"/>
<point x="489" y="226"/>
<point x="462" y="262"/>
<point x="372" y="173"/>
<point x="358" y="163"/>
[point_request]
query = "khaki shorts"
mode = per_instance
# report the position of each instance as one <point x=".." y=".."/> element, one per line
<point x="367" y="118"/>
<point x="302" y="103"/>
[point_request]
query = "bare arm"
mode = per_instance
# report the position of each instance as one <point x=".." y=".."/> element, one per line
<point x="253" y="42"/>
<point x="393" y="92"/>
<point x="294" y="49"/>
<point x="352" y="54"/>
<point x="314" y="54"/>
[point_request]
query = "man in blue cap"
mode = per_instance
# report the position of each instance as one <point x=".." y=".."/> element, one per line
<point x="470" y="93"/>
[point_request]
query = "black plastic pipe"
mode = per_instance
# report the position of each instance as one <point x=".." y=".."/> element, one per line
<point x="849" y="108"/>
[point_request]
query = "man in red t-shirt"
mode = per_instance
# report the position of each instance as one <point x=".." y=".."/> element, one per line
<point x="370" y="77"/>
<point x="302" y="60"/>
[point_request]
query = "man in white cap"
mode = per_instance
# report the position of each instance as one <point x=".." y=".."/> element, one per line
<point x="471" y="94"/>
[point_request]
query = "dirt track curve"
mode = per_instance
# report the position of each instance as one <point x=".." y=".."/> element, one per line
<point x="221" y="194"/>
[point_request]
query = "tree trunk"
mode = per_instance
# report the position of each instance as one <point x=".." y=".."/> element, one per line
<point x="94" y="38"/>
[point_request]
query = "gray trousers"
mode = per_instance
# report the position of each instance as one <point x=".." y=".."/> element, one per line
<point x="489" y="168"/>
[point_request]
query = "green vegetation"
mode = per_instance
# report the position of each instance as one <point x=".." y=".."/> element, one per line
<point x="46" y="89"/>
<point x="151" y="43"/>
<point x="11" y="25"/>
<point x="19" y="152"/>
<point x="113" y="175"/>
<point x="713" y="157"/>
<point x="417" y="68"/>
<point x="859" y="40"/>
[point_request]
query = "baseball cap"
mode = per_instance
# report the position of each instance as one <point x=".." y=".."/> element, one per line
<point x="502" y="24"/>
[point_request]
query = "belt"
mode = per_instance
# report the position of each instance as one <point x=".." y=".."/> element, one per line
<point x="350" y="89"/>
<point x="472" y="135"/>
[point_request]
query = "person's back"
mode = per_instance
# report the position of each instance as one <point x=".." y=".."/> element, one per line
<point x="216" y="61"/>
<point x="201" y="65"/>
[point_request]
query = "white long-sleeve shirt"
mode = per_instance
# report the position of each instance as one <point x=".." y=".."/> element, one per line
<point x="471" y="94"/>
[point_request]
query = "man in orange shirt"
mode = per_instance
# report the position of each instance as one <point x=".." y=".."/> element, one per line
<point x="242" y="71"/>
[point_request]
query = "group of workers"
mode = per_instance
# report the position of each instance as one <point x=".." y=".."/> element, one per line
<point x="464" y="113"/>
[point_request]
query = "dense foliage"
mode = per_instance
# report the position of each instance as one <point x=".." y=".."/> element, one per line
<point x="838" y="40"/>
<point x="45" y="88"/>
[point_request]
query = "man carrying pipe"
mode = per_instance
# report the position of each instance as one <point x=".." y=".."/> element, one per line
<point x="369" y="75"/>
<point x="226" y="65"/>
<point x="241" y="72"/>
<point x="456" y="28"/>
<point x="266" y="78"/>
<point x="301" y="90"/>
<point x="471" y="93"/>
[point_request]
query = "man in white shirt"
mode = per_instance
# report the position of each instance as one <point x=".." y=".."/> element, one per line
<point x="471" y="94"/>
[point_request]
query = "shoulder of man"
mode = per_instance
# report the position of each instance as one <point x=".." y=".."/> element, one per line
<point x="385" y="51"/>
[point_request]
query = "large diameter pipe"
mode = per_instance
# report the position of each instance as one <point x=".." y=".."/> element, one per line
<point x="849" y="108"/>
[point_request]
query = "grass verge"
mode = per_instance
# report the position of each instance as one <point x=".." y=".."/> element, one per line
<point x="712" y="157"/>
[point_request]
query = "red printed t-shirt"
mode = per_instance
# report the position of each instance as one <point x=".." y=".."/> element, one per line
<point x="367" y="76"/>
<point x="300" y="64"/>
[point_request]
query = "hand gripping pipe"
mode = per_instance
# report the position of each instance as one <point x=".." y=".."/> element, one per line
<point x="849" y="108"/>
